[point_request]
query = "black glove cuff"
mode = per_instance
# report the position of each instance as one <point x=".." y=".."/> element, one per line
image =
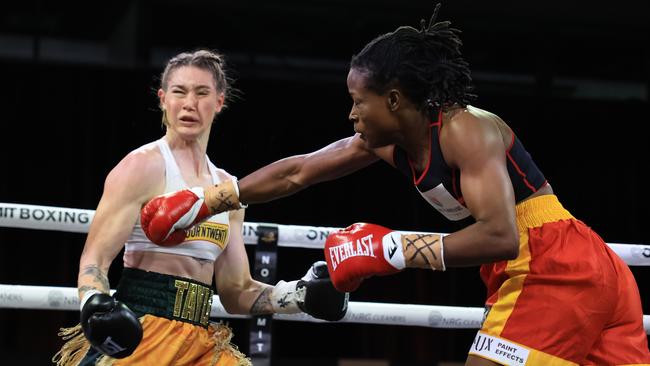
<point x="323" y="301"/>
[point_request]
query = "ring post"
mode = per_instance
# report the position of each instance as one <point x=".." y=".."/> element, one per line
<point x="264" y="270"/>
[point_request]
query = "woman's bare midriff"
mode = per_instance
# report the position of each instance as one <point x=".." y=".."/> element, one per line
<point x="201" y="270"/>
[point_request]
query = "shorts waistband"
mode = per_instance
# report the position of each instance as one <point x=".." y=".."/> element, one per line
<point x="167" y="296"/>
<point x="540" y="210"/>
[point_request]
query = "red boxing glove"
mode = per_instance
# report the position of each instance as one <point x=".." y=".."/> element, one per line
<point x="165" y="218"/>
<point x="361" y="251"/>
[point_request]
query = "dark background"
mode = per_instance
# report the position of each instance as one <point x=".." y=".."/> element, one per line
<point x="78" y="85"/>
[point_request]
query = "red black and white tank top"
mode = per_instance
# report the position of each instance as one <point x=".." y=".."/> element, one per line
<point x="440" y="185"/>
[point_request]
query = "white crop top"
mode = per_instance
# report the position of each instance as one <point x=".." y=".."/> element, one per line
<point x="204" y="241"/>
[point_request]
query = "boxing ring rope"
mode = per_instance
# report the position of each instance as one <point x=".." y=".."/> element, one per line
<point x="66" y="298"/>
<point x="78" y="220"/>
<point x="293" y="236"/>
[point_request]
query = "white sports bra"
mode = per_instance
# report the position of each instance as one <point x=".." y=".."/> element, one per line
<point x="204" y="241"/>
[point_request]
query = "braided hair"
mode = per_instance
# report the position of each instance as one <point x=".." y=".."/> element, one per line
<point x="426" y="64"/>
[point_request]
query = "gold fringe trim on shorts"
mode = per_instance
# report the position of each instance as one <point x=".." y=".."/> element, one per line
<point x="74" y="350"/>
<point x="222" y="336"/>
<point x="76" y="346"/>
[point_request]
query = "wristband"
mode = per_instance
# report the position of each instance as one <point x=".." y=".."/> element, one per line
<point x="286" y="296"/>
<point x="394" y="250"/>
<point x="424" y="251"/>
<point x="87" y="296"/>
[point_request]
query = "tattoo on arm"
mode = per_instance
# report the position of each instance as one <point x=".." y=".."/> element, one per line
<point x="84" y="289"/>
<point x="262" y="304"/>
<point x="97" y="275"/>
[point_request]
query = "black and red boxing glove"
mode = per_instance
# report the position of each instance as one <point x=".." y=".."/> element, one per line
<point x="165" y="218"/>
<point x="360" y="251"/>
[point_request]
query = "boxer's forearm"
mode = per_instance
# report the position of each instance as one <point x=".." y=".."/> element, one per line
<point x="481" y="243"/>
<point x="91" y="277"/>
<point x="262" y="304"/>
<point x="290" y="175"/>
<point x="276" y="180"/>
<point x="254" y="299"/>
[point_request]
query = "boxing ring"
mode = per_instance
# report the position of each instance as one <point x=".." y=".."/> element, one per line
<point x="265" y="236"/>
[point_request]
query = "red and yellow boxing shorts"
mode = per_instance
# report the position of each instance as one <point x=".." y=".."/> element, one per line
<point x="567" y="298"/>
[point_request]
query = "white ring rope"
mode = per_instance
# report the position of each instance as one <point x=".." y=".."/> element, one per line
<point x="66" y="298"/>
<point x="78" y="220"/>
<point x="296" y="236"/>
<point x="432" y="316"/>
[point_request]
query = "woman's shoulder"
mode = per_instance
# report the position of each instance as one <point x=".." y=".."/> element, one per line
<point x="146" y="158"/>
<point x="143" y="167"/>
<point x="471" y="131"/>
<point x="470" y="118"/>
<point x="477" y="113"/>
